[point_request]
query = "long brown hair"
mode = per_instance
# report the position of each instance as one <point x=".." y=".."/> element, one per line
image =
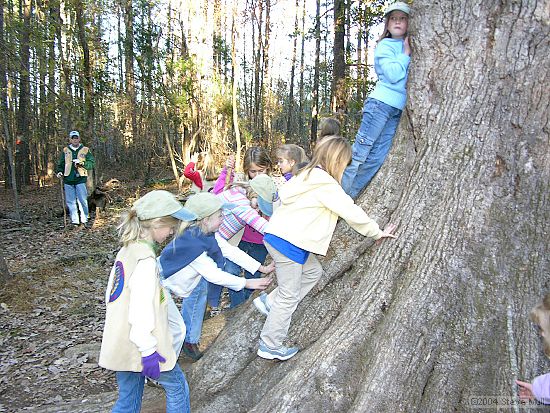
<point x="258" y="156"/>
<point x="386" y="33"/>
<point x="333" y="154"/>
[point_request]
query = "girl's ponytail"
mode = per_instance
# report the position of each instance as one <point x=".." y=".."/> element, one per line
<point x="129" y="228"/>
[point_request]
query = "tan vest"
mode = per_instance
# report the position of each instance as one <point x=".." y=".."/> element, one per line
<point x="81" y="155"/>
<point x="118" y="353"/>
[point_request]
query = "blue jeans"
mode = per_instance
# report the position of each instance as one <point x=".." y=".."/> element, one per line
<point x="74" y="194"/>
<point x="372" y="144"/>
<point x="192" y="311"/>
<point x="130" y="391"/>
<point x="256" y="251"/>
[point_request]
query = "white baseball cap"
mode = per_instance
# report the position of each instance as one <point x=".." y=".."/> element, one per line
<point x="398" y="5"/>
<point x="74" y="133"/>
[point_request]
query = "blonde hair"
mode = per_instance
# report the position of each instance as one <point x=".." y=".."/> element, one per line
<point x="197" y="225"/>
<point x="328" y="127"/>
<point x="206" y="164"/>
<point x="258" y="156"/>
<point x="132" y="229"/>
<point x="294" y="153"/>
<point x="540" y="315"/>
<point x="333" y="154"/>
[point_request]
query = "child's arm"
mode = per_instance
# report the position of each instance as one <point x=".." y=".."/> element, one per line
<point x="190" y="173"/>
<point x="248" y="215"/>
<point x="241" y="258"/>
<point x="140" y="312"/>
<point x="219" y="186"/>
<point x="334" y="198"/>
<point x="541" y="388"/>
<point x="394" y="66"/>
<point x="207" y="268"/>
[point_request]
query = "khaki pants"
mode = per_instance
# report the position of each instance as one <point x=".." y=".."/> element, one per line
<point x="294" y="282"/>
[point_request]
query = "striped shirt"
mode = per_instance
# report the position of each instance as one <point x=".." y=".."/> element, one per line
<point x="235" y="219"/>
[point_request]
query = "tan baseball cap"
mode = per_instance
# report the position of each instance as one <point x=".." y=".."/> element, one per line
<point x="160" y="203"/>
<point x="205" y="204"/>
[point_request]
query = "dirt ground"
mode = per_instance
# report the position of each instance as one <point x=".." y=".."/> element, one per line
<point x="52" y="307"/>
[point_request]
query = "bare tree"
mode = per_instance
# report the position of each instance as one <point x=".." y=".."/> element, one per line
<point x="22" y="163"/>
<point x="290" y="104"/>
<point x="88" y="85"/>
<point x="425" y="322"/>
<point x="128" y="11"/>
<point x="234" y="66"/>
<point x="301" y="87"/>
<point x="338" y="91"/>
<point x="315" y="92"/>
<point x="4" y="270"/>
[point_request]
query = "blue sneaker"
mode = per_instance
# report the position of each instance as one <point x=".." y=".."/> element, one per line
<point x="261" y="304"/>
<point x="282" y="353"/>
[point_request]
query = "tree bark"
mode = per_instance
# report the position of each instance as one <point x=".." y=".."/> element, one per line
<point x="315" y="91"/>
<point x="265" y="90"/>
<point x="129" y="68"/>
<point x="22" y="165"/>
<point x="424" y="322"/>
<point x="5" y="275"/>
<point x="339" y="94"/>
<point x="258" y="84"/>
<point x="88" y="84"/>
<point x="301" y="132"/>
<point x="234" y="65"/>
<point x="290" y="110"/>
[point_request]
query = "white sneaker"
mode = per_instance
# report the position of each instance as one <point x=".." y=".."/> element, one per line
<point x="282" y="353"/>
<point x="261" y="304"/>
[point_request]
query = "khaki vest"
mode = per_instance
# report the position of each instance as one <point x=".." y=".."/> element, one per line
<point x="118" y="353"/>
<point x="81" y="155"/>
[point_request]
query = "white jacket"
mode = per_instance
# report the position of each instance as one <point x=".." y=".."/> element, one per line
<point x="185" y="280"/>
<point x="310" y="207"/>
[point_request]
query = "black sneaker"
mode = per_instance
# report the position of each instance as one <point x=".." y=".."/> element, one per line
<point x="192" y="350"/>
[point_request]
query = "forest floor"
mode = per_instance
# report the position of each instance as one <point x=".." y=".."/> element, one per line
<point x="52" y="308"/>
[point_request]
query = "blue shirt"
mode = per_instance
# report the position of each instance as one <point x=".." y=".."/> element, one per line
<point x="288" y="249"/>
<point x="391" y="66"/>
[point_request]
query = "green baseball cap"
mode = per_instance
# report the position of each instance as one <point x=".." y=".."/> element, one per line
<point x="205" y="204"/>
<point x="159" y="203"/>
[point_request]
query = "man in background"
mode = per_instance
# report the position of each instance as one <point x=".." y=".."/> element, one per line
<point x="74" y="163"/>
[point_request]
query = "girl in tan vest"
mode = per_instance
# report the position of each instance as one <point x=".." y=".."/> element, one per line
<point x="136" y="339"/>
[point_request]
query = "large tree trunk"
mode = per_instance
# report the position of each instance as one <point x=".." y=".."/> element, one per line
<point x="421" y="323"/>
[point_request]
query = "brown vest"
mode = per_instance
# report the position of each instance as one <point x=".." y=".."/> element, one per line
<point x="81" y="155"/>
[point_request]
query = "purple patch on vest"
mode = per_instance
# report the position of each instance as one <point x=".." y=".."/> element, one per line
<point x="118" y="282"/>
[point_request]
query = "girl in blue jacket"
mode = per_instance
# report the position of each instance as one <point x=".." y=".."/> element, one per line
<point x="383" y="108"/>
